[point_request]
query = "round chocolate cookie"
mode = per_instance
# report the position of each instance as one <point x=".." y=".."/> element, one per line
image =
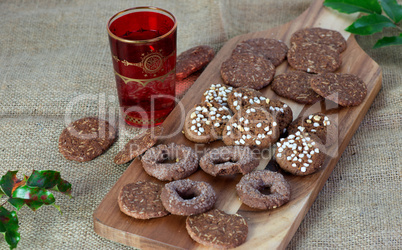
<point x="217" y="229"/>
<point x="319" y="35"/>
<point x="271" y="49"/>
<point x="344" y="89"/>
<point x="217" y="93"/>
<point x="314" y="57"/>
<point x="229" y="160"/>
<point x="253" y="126"/>
<point x="251" y="186"/>
<point x="295" y="85"/>
<point x="138" y="145"/>
<point x="193" y="60"/>
<point x="156" y="162"/>
<point x="317" y="124"/>
<point x="86" y="139"/>
<point x="247" y="70"/>
<point x="299" y="154"/>
<point x="187" y="197"/>
<point x="204" y="123"/>
<point x="142" y="200"/>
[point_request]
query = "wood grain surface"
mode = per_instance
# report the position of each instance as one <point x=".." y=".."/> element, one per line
<point x="267" y="229"/>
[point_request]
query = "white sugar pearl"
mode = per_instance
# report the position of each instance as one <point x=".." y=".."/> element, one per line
<point x="303" y="169"/>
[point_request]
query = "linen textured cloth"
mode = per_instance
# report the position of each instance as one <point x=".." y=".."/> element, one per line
<point x="55" y="60"/>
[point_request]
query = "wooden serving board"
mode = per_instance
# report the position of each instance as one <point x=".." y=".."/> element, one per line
<point x="271" y="229"/>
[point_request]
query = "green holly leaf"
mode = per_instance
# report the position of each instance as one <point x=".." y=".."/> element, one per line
<point x="44" y="179"/>
<point x="352" y="6"/>
<point x="34" y="194"/>
<point x="8" y="181"/>
<point x="388" y="41"/>
<point x="9" y="226"/>
<point x="34" y="205"/>
<point x="370" y="24"/>
<point x="64" y="187"/>
<point x="17" y="203"/>
<point x="392" y="9"/>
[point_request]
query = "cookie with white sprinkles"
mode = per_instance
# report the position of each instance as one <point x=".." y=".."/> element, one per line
<point x="204" y="123"/>
<point x="299" y="154"/>
<point x="217" y="229"/>
<point x="217" y="93"/>
<point x="253" y="126"/>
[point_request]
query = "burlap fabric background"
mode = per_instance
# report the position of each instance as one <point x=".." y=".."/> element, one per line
<point x="54" y="52"/>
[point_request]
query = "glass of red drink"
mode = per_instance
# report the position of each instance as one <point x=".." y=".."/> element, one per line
<point x="143" y="45"/>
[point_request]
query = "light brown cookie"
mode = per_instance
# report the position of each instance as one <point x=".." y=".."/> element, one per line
<point x="299" y="154"/>
<point x="251" y="186"/>
<point x="170" y="162"/>
<point x="217" y="229"/>
<point x="187" y="197"/>
<point x="204" y="123"/>
<point x="193" y="60"/>
<point x="138" y="145"/>
<point x="247" y="70"/>
<point x="345" y="89"/>
<point x="319" y="35"/>
<point x="271" y="49"/>
<point x="314" y="57"/>
<point x="217" y="93"/>
<point x="86" y="139"/>
<point x="229" y="160"/>
<point x="253" y="126"/>
<point x="142" y="200"/>
<point x="295" y="85"/>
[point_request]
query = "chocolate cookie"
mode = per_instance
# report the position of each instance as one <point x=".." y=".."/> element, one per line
<point x="317" y="124"/>
<point x="86" y="139"/>
<point x="229" y="160"/>
<point x="187" y="197"/>
<point x="247" y="70"/>
<point x="217" y="229"/>
<point x="299" y="154"/>
<point x="345" y="89"/>
<point x="270" y="49"/>
<point x="319" y="35"/>
<point x="204" y="123"/>
<point x="314" y="57"/>
<point x="295" y="85"/>
<point x="142" y="200"/>
<point x="281" y="111"/>
<point x="251" y="186"/>
<point x="193" y="60"/>
<point x="156" y="162"/>
<point x="253" y="126"/>
<point x="217" y="93"/>
<point x="138" y="145"/>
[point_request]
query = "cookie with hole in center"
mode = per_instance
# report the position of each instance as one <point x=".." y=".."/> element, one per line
<point x="247" y="70"/>
<point x="295" y="85"/>
<point x="192" y="60"/>
<point x="141" y="200"/>
<point x="299" y="154"/>
<point x="344" y="89"/>
<point x="217" y="229"/>
<point x="217" y="93"/>
<point x="317" y="124"/>
<point x="204" y="123"/>
<point x="271" y="49"/>
<point x="314" y="57"/>
<point x="86" y="138"/>
<point x="319" y="35"/>
<point x="253" y="126"/>
<point x="138" y="145"/>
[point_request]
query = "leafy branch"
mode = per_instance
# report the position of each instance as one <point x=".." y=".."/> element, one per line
<point x="374" y="21"/>
<point x="33" y="191"/>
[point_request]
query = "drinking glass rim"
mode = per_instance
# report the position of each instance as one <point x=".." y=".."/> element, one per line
<point x="142" y="41"/>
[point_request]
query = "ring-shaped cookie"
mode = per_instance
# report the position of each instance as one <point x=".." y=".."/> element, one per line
<point x="250" y="186"/>
<point x="185" y="162"/>
<point x="187" y="197"/>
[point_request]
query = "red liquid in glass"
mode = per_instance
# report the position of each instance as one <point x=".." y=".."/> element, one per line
<point x="145" y="76"/>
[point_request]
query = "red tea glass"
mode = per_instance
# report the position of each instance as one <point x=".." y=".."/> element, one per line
<point x="143" y="45"/>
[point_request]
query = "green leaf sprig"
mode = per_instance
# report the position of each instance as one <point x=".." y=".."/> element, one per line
<point x="33" y="191"/>
<point x="374" y="21"/>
